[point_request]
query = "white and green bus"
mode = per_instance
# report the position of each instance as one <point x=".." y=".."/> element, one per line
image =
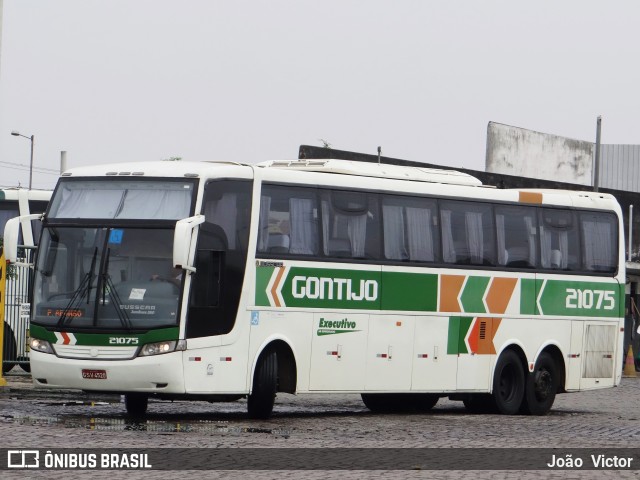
<point x="18" y="202"/>
<point x="217" y="281"/>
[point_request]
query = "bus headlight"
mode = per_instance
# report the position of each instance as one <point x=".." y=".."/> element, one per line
<point x="157" y="348"/>
<point x="40" y="345"/>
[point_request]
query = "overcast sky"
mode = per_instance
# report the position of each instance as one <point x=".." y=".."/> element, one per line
<point x="248" y="81"/>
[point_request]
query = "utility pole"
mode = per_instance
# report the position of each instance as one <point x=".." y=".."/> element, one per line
<point x="596" y="163"/>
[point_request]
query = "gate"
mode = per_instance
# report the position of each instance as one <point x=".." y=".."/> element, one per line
<point x="16" y="316"/>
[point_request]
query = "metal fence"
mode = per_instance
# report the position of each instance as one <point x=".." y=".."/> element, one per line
<point x="16" y="316"/>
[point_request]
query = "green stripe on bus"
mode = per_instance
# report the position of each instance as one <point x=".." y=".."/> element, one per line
<point x="263" y="275"/>
<point x="575" y="298"/>
<point x="107" y="339"/>
<point x="458" y="329"/>
<point x="528" y="296"/>
<point x="409" y="291"/>
<point x="308" y="287"/>
<point x="473" y="294"/>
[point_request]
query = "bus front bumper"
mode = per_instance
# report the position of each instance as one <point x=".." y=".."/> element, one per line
<point x="153" y="374"/>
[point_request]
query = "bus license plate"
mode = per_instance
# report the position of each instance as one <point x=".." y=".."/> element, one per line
<point x="95" y="374"/>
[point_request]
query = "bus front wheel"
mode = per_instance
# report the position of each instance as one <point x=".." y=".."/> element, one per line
<point x="265" y="384"/>
<point x="508" y="383"/>
<point x="136" y="404"/>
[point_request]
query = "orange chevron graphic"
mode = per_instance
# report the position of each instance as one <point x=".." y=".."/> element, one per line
<point x="481" y="336"/>
<point x="499" y="294"/>
<point x="450" y="286"/>
<point x="274" y="288"/>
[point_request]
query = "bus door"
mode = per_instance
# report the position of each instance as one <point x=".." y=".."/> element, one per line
<point x="215" y="360"/>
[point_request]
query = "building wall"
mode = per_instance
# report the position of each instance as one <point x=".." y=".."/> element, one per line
<point x="620" y="167"/>
<point x="521" y="152"/>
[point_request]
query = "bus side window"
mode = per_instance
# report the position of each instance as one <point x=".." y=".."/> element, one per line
<point x="206" y="290"/>
<point x="350" y="224"/>
<point x="410" y="228"/>
<point x="516" y="227"/>
<point x="599" y="234"/>
<point x="559" y="241"/>
<point x="467" y="233"/>
<point x="288" y="221"/>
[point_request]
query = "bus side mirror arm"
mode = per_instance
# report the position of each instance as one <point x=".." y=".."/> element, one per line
<point x="12" y="234"/>
<point x="183" y="236"/>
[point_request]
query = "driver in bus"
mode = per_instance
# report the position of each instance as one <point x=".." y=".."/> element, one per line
<point x="175" y="277"/>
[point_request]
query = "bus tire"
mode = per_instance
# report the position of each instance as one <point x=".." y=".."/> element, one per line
<point x="423" y="402"/>
<point x="136" y="404"/>
<point x="399" y="402"/>
<point x="541" y="386"/>
<point x="265" y="384"/>
<point x="379" y="402"/>
<point x="508" y="383"/>
<point x="480" y="403"/>
<point x="9" y="349"/>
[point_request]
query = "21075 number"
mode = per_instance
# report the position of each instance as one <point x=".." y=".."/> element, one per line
<point x="598" y="299"/>
<point x="123" y="341"/>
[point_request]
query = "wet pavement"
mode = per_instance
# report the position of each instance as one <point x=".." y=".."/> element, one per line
<point x="35" y="418"/>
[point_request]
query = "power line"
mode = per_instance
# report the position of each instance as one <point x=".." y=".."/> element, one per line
<point x="43" y="171"/>
<point x="40" y="169"/>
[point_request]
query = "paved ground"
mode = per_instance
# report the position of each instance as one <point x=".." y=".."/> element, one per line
<point x="32" y="418"/>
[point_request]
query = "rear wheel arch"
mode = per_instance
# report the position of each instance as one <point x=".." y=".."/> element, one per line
<point x="516" y="349"/>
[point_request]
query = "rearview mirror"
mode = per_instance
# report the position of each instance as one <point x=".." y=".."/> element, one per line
<point x="182" y="238"/>
<point x="12" y="234"/>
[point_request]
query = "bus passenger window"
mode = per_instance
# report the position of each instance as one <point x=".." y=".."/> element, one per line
<point x="410" y="229"/>
<point x="288" y="221"/>
<point x="467" y="233"/>
<point x="350" y="225"/>
<point x="516" y="227"/>
<point x="599" y="238"/>
<point x="559" y="241"/>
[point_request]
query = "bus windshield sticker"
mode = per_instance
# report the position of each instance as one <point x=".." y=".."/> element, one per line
<point x="115" y="237"/>
<point x="137" y="294"/>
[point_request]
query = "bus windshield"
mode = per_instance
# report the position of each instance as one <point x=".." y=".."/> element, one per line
<point x="149" y="199"/>
<point x="106" y="278"/>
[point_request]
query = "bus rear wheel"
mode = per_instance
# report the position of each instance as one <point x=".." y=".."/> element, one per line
<point x="508" y="383"/>
<point x="136" y="404"/>
<point x="265" y="384"/>
<point x="541" y="386"/>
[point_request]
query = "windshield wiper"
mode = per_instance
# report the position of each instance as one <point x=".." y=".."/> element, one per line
<point x="80" y="292"/>
<point x="108" y="286"/>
